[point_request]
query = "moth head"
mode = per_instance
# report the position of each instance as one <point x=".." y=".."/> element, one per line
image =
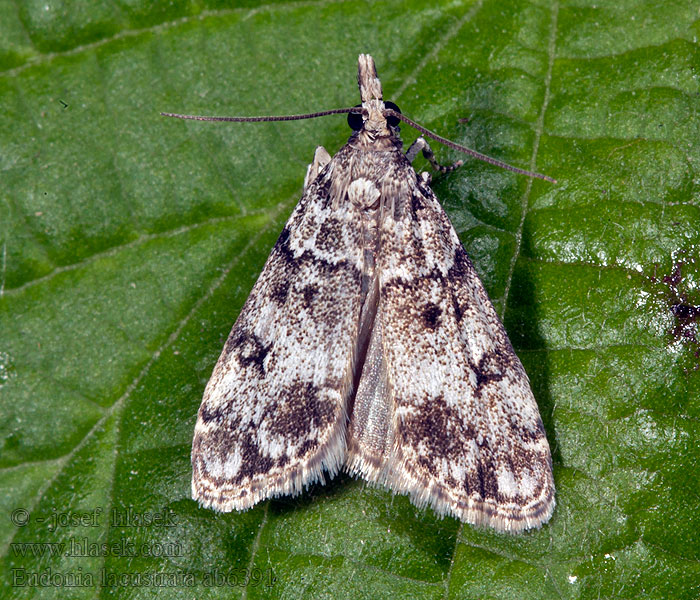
<point x="374" y="118"/>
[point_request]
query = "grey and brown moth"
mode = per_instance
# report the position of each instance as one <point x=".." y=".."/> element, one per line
<point x="369" y="344"/>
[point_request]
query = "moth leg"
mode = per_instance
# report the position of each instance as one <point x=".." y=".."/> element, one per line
<point x="321" y="159"/>
<point x="421" y="145"/>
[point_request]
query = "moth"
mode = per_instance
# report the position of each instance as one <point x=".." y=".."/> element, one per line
<point x="369" y="344"/>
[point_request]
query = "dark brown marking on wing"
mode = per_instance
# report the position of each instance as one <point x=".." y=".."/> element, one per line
<point x="431" y="316"/>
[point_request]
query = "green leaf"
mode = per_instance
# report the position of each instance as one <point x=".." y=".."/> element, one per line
<point x="129" y="242"/>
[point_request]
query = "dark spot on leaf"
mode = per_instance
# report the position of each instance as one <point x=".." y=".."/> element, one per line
<point x="685" y="312"/>
<point x="684" y="304"/>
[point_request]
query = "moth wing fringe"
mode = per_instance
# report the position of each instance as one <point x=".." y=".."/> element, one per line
<point x="225" y="498"/>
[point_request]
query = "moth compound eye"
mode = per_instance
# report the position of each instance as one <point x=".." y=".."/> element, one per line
<point x="355" y="120"/>
<point x="391" y="120"/>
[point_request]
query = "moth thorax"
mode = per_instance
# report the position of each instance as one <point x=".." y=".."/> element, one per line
<point x="363" y="193"/>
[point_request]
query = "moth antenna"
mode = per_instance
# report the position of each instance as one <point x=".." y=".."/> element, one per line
<point x="469" y="151"/>
<point x="323" y="113"/>
<point x="357" y="109"/>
